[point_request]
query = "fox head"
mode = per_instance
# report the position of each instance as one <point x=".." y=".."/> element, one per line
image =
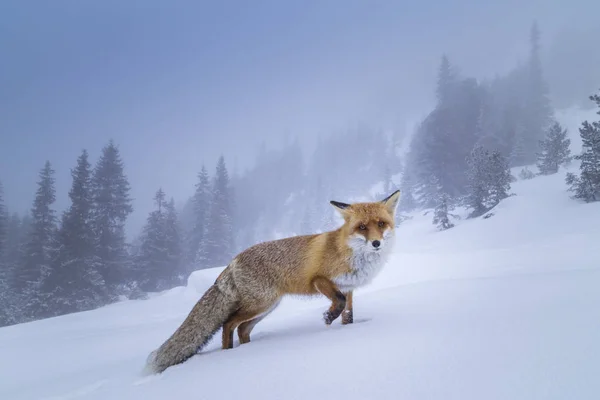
<point x="370" y="226"/>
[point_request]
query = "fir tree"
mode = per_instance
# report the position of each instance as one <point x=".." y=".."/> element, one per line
<point x="446" y="81"/>
<point x="177" y="274"/>
<point x="478" y="181"/>
<point x="586" y="186"/>
<point x="112" y="206"/>
<point x="499" y="173"/>
<point x="537" y="115"/>
<point x="489" y="180"/>
<point x="440" y="216"/>
<point x="3" y="225"/>
<point x="74" y="283"/>
<point x="526" y="174"/>
<point x="407" y="185"/>
<point x="40" y="248"/>
<point x="201" y="202"/>
<point x="218" y="244"/>
<point x="518" y="155"/>
<point x="18" y="231"/>
<point x="5" y="292"/>
<point x="154" y="259"/>
<point x="555" y="150"/>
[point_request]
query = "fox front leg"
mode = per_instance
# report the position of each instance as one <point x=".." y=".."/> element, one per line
<point x="338" y="300"/>
<point x="347" y="317"/>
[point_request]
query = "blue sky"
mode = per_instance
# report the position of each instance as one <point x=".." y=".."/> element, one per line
<point x="177" y="83"/>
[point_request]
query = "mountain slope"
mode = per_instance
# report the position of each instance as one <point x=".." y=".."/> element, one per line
<point x="498" y="308"/>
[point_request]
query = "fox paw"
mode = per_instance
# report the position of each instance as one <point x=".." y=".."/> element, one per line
<point x="328" y="317"/>
<point x="347" y="317"/>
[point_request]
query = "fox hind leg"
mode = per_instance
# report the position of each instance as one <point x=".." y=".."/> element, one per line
<point x="246" y="327"/>
<point x="232" y="323"/>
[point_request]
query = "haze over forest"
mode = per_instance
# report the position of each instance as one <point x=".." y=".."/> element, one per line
<point x="179" y="86"/>
<point x="141" y="144"/>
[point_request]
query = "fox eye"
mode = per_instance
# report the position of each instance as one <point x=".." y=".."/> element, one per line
<point x="362" y="227"/>
<point x="381" y="224"/>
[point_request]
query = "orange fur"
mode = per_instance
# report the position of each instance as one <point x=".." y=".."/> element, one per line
<point x="331" y="263"/>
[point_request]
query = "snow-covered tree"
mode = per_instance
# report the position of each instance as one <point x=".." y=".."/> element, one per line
<point x="489" y="180"/>
<point x="500" y="178"/>
<point x="519" y="153"/>
<point x="195" y="237"/>
<point x="478" y="181"/>
<point x="218" y="243"/>
<point x="554" y="150"/>
<point x="111" y="207"/>
<point x="74" y="283"/>
<point x="537" y="113"/>
<point x="440" y="215"/>
<point x="40" y="249"/>
<point x="446" y="81"/>
<point x="586" y="186"/>
<point x="526" y="174"/>
<point x="173" y="243"/>
<point x="3" y="225"/>
<point x="5" y="289"/>
<point x="159" y="262"/>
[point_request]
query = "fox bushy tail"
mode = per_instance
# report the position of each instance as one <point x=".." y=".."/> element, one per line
<point x="213" y="309"/>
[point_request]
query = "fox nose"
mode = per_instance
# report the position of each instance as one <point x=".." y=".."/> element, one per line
<point x="376" y="243"/>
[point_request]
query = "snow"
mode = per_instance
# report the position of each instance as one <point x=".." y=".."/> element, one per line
<point x="497" y="308"/>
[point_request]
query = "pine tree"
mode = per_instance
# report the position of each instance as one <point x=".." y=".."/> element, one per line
<point x="446" y="81"/>
<point x="40" y="248"/>
<point x="500" y="178"/>
<point x="18" y="231"/>
<point x="478" y="181"/>
<point x="518" y="154"/>
<point x="201" y="203"/>
<point x="3" y="225"/>
<point x="178" y="274"/>
<point x="489" y="180"/>
<point x="218" y="243"/>
<point x="74" y="283"/>
<point x="440" y="216"/>
<point x="526" y="174"/>
<point x="555" y="150"/>
<point x="154" y="257"/>
<point x="538" y="111"/>
<point x="586" y="186"/>
<point x="112" y="206"/>
<point x="407" y="187"/>
<point x="5" y="289"/>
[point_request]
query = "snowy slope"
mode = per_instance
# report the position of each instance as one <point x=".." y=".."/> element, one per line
<point x="498" y="308"/>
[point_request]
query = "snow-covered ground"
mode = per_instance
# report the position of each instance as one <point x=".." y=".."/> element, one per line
<point x="500" y="308"/>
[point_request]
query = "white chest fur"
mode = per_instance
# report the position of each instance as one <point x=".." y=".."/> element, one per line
<point x="365" y="266"/>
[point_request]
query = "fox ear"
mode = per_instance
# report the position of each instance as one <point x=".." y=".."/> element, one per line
<point x="341" y="207"/>
<point x="391" y="202"/>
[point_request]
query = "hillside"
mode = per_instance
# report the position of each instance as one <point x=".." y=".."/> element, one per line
<point x="498" y="308"/>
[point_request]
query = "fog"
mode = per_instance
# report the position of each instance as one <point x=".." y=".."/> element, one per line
<point x="178" y="84"/>
<point x="297" y="97"/>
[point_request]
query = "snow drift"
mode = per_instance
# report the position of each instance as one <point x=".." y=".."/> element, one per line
<point x="497" y="308"/>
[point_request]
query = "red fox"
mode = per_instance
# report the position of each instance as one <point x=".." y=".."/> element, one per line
<point x="332" y="263"/>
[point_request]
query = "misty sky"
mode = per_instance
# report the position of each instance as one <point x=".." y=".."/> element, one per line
<point x="177" y="83"/>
